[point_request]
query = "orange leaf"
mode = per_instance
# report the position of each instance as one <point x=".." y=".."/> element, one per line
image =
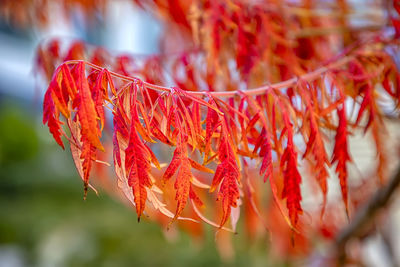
<point x="182" y="186"/>
<point x="199" y="167"/>
<point x="173" y="166"/>
<point x="87" y="111"/>
<point x="68" y="81"/>
<point x="137" y="164"/>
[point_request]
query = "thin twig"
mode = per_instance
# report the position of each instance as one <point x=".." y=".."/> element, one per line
<point x="250" y="92"/>
<point x="310" y="76"/>
<point x="366" y="214"/>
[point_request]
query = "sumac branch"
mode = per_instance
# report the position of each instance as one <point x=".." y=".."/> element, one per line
<point x="293" y="83"/>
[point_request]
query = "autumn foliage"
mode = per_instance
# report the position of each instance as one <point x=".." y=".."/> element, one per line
<point x="238" y="86"/>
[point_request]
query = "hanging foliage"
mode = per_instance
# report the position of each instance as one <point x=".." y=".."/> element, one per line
<point x="260" y="84"/>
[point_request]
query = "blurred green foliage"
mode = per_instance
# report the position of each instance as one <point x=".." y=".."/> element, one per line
<point x="18" y="139"/>
<point x="44" y="219"/>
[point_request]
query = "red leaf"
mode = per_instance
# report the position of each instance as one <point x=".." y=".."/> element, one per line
<point x="396" y="5"/>
<point x="99" y="92"/>
<point x="396" y="25"/>
<point x="316" y="146"/>
<point x="68" y="82"/>
<point x="184" y="177"/>
<point x="341" y="154"/>
<point x="263" y="141"/>
<point x="367" y="103"/>
<point x="87" y="153"/>
<point x="50" y="116"/>
<point x="182" y="186"/>
<point x="157" y="133"/>
<point x="193" y="196"/>
<point x="228" y="175"/>
<point x="75" y="52"/>
<point x="58" y="97"/>
<point x="87" y="111"/>
<point x="292" y="180"/>
<point x="116" y="148"/>
<point x="137" y="164"/>
<point x="211" y="125"/>
<point x="173" y="166"/>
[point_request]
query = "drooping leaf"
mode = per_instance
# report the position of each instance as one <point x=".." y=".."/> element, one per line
<point x="182" y="186"/>
<point x="315" y="145"/>
<point x="173" y="166"/>
<point x="341" y="154"/>
<point x="87" y="111"/>
<point x="211" y="125"/>
<point x="227" y="176"/>
<point x="83" y="154"/>
<point x="199" y="167"/>
<point x="50" y="116"/>
<point x="292" y="179"/>
<point x="137" y="165"/>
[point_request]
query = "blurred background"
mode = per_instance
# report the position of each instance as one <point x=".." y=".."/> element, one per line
<point x="43" y="218"/>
